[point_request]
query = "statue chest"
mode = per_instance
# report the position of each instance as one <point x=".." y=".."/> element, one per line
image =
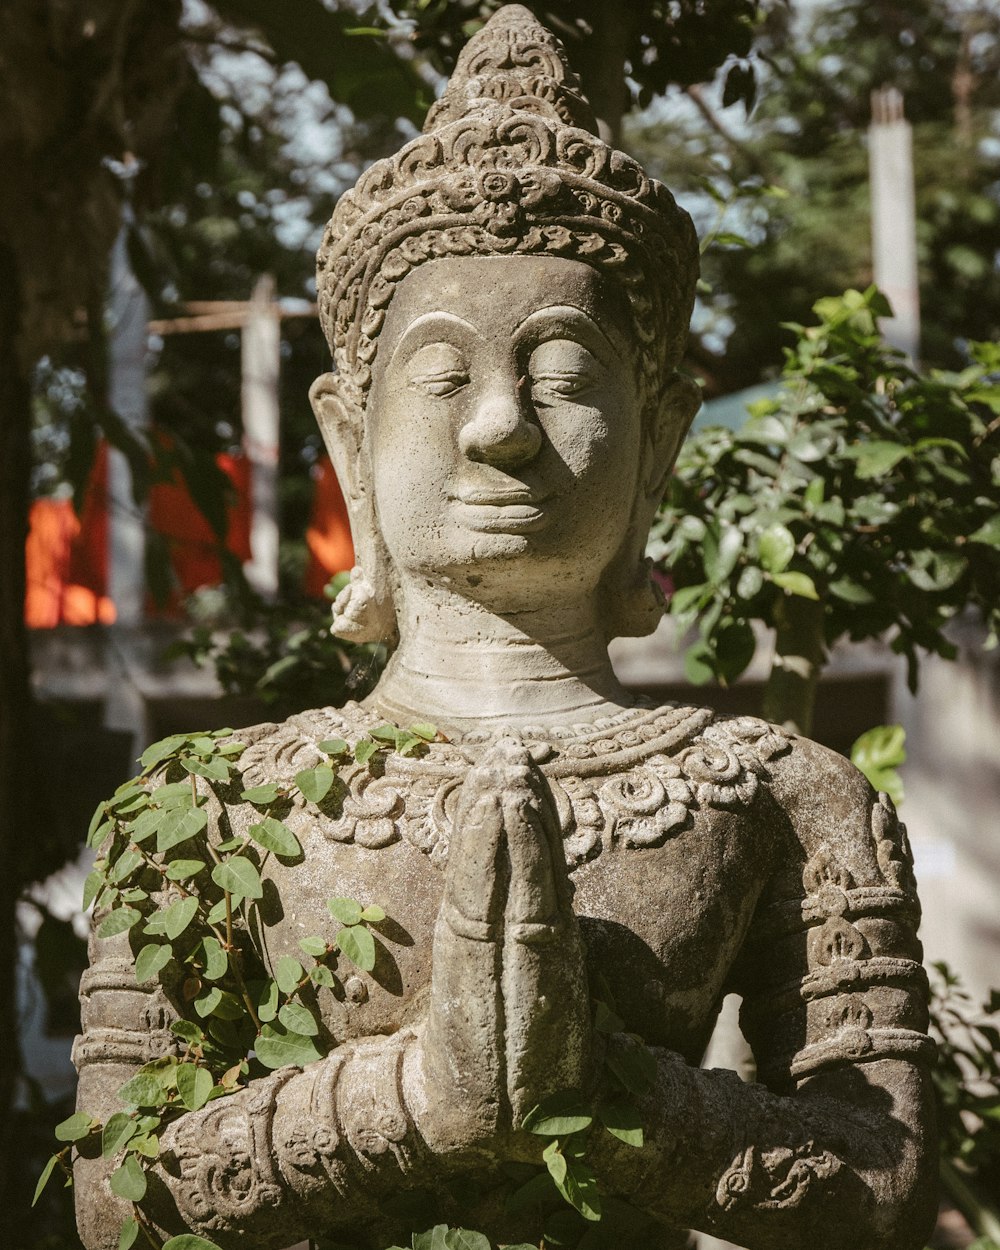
<point x="664" y="882"/>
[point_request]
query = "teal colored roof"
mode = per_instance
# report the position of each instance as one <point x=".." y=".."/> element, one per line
<point x="731" y="410"/>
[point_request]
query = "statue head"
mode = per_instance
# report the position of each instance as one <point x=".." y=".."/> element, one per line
<point x="507" y="292"/>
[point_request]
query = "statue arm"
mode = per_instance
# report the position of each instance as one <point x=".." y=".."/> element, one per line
<point x="835" y="1147"/>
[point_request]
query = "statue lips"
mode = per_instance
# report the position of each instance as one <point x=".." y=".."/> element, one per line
<point x="499" y="511"/>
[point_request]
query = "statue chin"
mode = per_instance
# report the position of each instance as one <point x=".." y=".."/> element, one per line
<point x="573" y="878"/>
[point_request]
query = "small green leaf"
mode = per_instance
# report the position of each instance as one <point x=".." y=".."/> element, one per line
<point x="800" y="584"/>
<point x="776" y="546"/>
<point x="315" y="946"/>
<point x="385" y="733"/>
<point x="213" y="769"/>
<point x="555" y="1161"/>
<point x="239" y="877"/>
<point x="118" y="921"/>
<point x="334" y="746"/>
<point x="358" y="945"/>
<point x="188" y="1030"/>
<point x="298" y="1019"/>
<point x="606" y="1020"/>
<point x="178" y="916"/>
<point x="373" y="914"/>
<point x="364" y="750"/>
<point x="91" y="887"/>
<point x="261" y="795"/>
<point x="179" y="825"/>
<point x="988" y="532"/>
<point x="622" y="1120"/>
<point x="274" y="836"/>
<point x="427" y="732"/>
<point x="276" y="1047"/>
<point x="184" y="869"/>
<point x="465" y="1239"/>
<point x="147" y="824"/>
<point x="188" y="1241"/>
<point x="216" y="959"/>
<point x="851" y="591"/>
<point x="128" y="1234"/>
<point x="346" y="910"/>
<point x="267" y="1006"/>
<point x="118" y="1131"/>
<point x="559" y="1115"/>
<point x="876" y="457"/>
<point x="100" y="833"/>
<point x="74" y="1128"/>
<point x="145" y="1144"/>
<point x="230" y="844"/>
<point x="315" y="783"/>
<point x="43" y="1180"/>
<point x="151" y="961"/>
<point x="159" y="751"/>
<point x="143" y="1090"/>
<point x="288" y="974"/>
<point x="129" y="1181"/>
<point x="321" y="975"/>
<point x="194" y="1085"/>
<point x="878" y="754"/>
<point x="208" y="1001"/>
<point x="634" y="1066"/>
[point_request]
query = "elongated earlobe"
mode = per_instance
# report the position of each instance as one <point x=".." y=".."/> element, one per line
<point x="363" y="611"/>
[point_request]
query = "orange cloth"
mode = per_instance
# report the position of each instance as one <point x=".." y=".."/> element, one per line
<point x="66" y="558"/>
<point x="192" y="543"/>
<point x="329" y="534"/>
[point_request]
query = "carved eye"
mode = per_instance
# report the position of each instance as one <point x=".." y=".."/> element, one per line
<point x="441" y="384"/>
<point x="561" y="370"/>
<point x="438" y="369"/>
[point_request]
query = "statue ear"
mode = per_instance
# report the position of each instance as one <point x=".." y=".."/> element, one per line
<point x="677" y="404"/>
<point x="341" y="421"/>
<point x="363" y="611"/>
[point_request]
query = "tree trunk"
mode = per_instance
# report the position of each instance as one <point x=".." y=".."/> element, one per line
<point x="15" y="689"/>
<point x="799" y="656"/>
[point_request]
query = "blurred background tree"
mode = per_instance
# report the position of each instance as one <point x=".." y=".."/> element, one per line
<point x="816" y="67"/>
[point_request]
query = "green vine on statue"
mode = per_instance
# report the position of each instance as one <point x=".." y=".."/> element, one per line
<point x="196" y="905"/>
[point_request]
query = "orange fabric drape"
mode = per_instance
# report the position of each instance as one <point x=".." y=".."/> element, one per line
<point x="329" y="534"/>
<point x="191" y="541"/>
<point x="67" y="557"/>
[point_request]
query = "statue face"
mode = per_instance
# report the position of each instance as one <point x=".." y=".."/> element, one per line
<point x="504" y="426"/>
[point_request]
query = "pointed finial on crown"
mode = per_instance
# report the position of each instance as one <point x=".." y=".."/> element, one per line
<point x="514" y="60"/>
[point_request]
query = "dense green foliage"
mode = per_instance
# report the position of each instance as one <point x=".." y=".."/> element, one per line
<point x="866" y="488"/>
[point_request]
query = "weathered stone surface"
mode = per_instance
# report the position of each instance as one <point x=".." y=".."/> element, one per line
<point x="506" y="301"/>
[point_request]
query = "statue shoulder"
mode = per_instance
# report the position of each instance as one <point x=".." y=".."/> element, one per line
<point x="847" y="833"/>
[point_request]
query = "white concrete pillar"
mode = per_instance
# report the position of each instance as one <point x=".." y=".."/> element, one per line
<point x="894" y="222"/>
<point x="261" y="344"/>
<point x="128" y="310"/>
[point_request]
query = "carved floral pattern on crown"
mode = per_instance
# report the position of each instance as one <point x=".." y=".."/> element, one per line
<point x="630" y="782"/>
<point x="509" y="163"/>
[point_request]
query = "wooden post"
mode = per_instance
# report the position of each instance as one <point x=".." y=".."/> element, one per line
<point x="894" y="230"/>
<point x="261" y="342"/>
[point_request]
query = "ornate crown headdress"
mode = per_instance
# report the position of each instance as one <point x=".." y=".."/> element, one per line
<point x="509" y="162"/>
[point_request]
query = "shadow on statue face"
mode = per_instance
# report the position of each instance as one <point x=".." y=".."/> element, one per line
<point x="505" y="426"/>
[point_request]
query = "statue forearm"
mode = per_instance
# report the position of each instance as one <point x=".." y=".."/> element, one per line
<point x="299" y="1152"/>
<point x="766" y="1170"/>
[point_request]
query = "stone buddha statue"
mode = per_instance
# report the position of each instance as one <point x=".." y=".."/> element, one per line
<point x="506" y="300"/>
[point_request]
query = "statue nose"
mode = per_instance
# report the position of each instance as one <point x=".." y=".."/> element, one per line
<point x="500" y="433"/>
